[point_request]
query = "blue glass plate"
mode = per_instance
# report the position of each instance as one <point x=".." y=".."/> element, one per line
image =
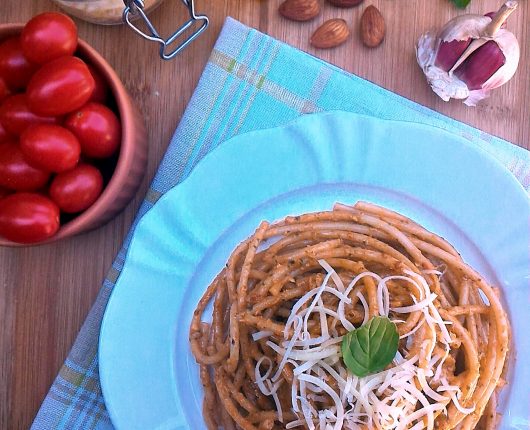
<point x="149" y="377"/>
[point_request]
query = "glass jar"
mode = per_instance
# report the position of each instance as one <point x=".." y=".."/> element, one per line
<point x="101" y="11"/>
<point x="119" y="11"/>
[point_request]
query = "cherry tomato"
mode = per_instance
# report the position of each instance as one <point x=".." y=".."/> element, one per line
<point x="50" y="147"/>
<point x="4" y="90"/>
<point x="77" y="189"/>
<point x="4" y="135"/>
<point x="15" y="115"/>
<point x="101" y="90"/>
<point x="14" y="66"/>
<point x="97" y="128"/>
<point x="4" y="192"/>
<point x="16" y="173"/>
<point x="48" y="36"/>
<point x="28" y="217"/>
<point x="60" y="86"/>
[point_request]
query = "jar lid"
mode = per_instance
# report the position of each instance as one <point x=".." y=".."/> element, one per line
<point x="120" y="11"/>
<point x="101" y="11"/>
<point x="175" y="43"/>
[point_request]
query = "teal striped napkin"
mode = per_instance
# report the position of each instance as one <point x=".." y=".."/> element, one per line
<point x="251" y="82"/>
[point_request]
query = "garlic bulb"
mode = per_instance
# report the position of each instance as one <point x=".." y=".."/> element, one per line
<point x="471" y="55"/>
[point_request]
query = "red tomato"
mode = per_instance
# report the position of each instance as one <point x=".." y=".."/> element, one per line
<point x="97" y="128"/>
<point x="4" y="192"/>
<point x="48" y="36"/>
<point x="60" y="86"/>
<point x="101" y="90"/>
<point x="14" y="66"/>
<point x="15" y="115"/>
<point x="50" y="147"/>
<point x="4" y="90"/>
<point x="4" y="135"/>
<point x="28" y="217"/>
<point x="77" y="189"/>
<point x="16" y="173"/>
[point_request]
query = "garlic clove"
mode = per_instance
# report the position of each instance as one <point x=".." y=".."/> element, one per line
<point x="449" y="53"/>
<point x="509" y="45"/>
<point x="480" y="65"/>
<point x="473" y="46"/>
<point x="510" y="48"/>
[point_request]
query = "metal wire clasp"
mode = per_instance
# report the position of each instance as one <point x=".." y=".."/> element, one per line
<point x="135" y="8"/>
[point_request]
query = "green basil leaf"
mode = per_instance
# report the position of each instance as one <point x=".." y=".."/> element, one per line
<point x="462" y="4"/>
<point x="371" y="347"/>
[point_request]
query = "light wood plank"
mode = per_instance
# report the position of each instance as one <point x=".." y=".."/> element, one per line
<point x="46" y="292"/>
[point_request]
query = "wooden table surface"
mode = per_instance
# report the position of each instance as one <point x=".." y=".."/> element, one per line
<point x="46" y="292"/>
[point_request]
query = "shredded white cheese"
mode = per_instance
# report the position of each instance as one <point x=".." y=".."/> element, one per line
<point x="325" y="395"/>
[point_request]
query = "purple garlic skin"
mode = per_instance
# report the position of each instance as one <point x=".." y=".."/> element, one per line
<point x="470" y="56"/>
<point x="449" y="53"/>
<point x="480" y="65"/>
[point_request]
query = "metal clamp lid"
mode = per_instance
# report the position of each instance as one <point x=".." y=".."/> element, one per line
<point x="135" y="8"/>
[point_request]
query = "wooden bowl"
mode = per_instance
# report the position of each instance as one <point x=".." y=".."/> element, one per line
<point x="126" y="172"/>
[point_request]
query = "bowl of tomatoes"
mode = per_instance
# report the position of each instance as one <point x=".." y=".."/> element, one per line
<point x="73" y="146"/>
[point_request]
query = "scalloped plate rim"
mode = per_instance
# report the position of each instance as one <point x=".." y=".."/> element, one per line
<point x="217" y="153"/>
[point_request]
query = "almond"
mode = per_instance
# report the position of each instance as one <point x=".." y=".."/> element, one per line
<point x="299" y="10"/>
<point x="345" y="3"/>
<point x="330" y="34"/>
<point x="372" y="27"/>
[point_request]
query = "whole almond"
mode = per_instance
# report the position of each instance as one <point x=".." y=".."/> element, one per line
<point x="372" y="27"/>
<point x="345" y="3"/>
<point x="300" y="10"/>
<point x="330" y="34"/>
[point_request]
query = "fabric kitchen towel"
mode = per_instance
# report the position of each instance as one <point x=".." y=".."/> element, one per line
<point x="251" y="81"/>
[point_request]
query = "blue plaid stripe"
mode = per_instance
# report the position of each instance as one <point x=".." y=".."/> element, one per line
<point x="251" y="82"/>
<point x="219" y="106"/>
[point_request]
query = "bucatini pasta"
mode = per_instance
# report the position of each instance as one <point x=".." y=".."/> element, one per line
<point x="270" y="355"/>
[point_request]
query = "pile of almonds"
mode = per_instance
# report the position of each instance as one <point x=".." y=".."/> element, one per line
<point x="335" y="31"/>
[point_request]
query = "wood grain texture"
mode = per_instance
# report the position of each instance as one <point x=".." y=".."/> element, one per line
<point x="46" y="292"/>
